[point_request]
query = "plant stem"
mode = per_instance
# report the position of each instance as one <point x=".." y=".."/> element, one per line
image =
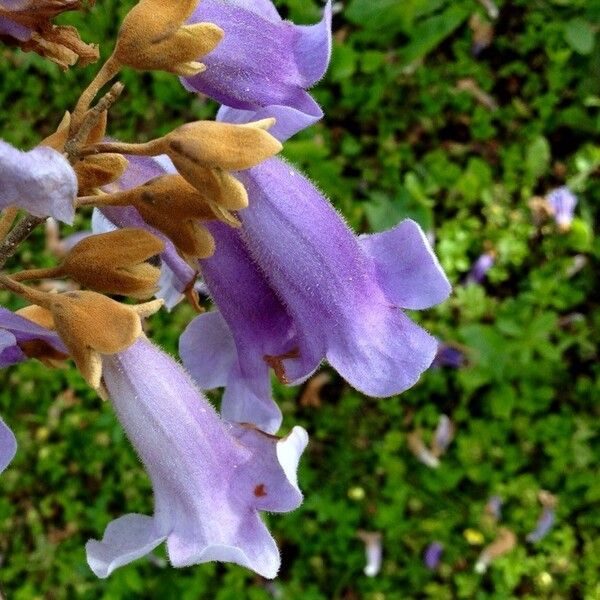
<point x="73" y="145"/>
<point x="145" y="149"/>
<point x="7" y="220"/>
<point x="31" y="295"/>
<point x="109" y="70"/>
<point x="31" y="274"/>
<point x="19" y="234"/>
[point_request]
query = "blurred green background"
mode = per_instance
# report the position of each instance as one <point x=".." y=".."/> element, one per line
<point x="417" y="124"/>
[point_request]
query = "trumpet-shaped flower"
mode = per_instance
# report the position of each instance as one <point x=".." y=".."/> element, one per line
<point x="235" y="339"/>
<point x="263" y="61"/>
<point x="40" y="181"/>
<point x="210" y="478"/>
<point x="330" y="294"/>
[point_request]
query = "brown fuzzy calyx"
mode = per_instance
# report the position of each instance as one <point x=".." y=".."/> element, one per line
<point x="90" y="325"/>
<point x="174" y="207"/>
<point x="116" y="262"/>
<point x="153" y="37"/>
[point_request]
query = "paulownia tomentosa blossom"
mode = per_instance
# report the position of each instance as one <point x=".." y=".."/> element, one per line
<point x="291" y="283"/>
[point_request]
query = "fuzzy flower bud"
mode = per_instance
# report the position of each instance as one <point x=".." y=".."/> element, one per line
<point x="116" y="262"/>
<point x="203" y="151"/>
<point x="175" y="208"/>
<point x="92" y="325"/>
<point x="99" y="170"/>
<point x="153" y="37"/>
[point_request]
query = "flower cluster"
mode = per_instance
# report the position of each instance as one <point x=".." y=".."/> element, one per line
<point x="207" y="206"/>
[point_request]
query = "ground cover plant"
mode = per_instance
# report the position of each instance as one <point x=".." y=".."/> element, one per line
<point x="460" y="117"/>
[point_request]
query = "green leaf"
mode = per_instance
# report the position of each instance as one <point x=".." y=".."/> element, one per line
<point x="580" y="35"/>
<point x="431" y="32"/>
<point x="538" y="157"/>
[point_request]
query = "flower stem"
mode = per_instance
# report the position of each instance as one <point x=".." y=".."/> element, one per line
<point x="31" y="274"/>
<point x="109" y="70"/>
<point x="145" y="149"/>
<point x="31" y="295"/>
<point x="7" y="221"/>
<point x="73" y="145"/>
<point x="19" y="234"/>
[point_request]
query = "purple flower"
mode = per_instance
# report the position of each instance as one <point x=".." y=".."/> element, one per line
<point x="227" y="347"/>
<point x="443" y="436"/>
<point x="263" y="64"/>
<point x="562" y="203"/>
<point x="15" y="334"/>
<point x="494" y="507"/>
<point x="433" y="555"/>
<point x="448" y="356"/>
<point x="325" y="293"/>
<point x="40" y="181"/>
<point x="373" y="552"/>
<point x="480" y="268"/>
<point x="210" y="478"/>
<point x="544" y="525"/>
<point x="8" y="445"/>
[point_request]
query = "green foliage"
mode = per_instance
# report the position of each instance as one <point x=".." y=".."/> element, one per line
<point x="403" y="137"/>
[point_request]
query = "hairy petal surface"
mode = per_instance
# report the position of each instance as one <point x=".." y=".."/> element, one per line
<point x="263" y="61"/>
<point x="40" y="181"/>
<point x="343" y="303"/>
<point x="253" y="321"/>
<point x="210" y="478"/>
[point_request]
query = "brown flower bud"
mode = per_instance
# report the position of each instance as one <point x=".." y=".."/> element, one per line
<point x="171" y="205"/>
<point x="223" y="145"/>
<point x="153" y="37"/>
<point x="203" y="151"/>
<point x="97" y="170"/>
<point x="116" y="262"/>
<point x="90" y="325"/>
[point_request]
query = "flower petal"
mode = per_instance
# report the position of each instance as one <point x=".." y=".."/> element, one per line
<point x="329" y="285"/>
<point x="407" y="269"/>
<point x="384" y="355"/>
<point x="208" y="351"/>
<point x="127" y="538"/>
<point x="8" y="445"/>
<point x="263" y="60"/>
<point x="259" y="324"/>
<point x="25" y="330"/>
<point x="288" y="120"/>
<point x="40" y="181"/>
